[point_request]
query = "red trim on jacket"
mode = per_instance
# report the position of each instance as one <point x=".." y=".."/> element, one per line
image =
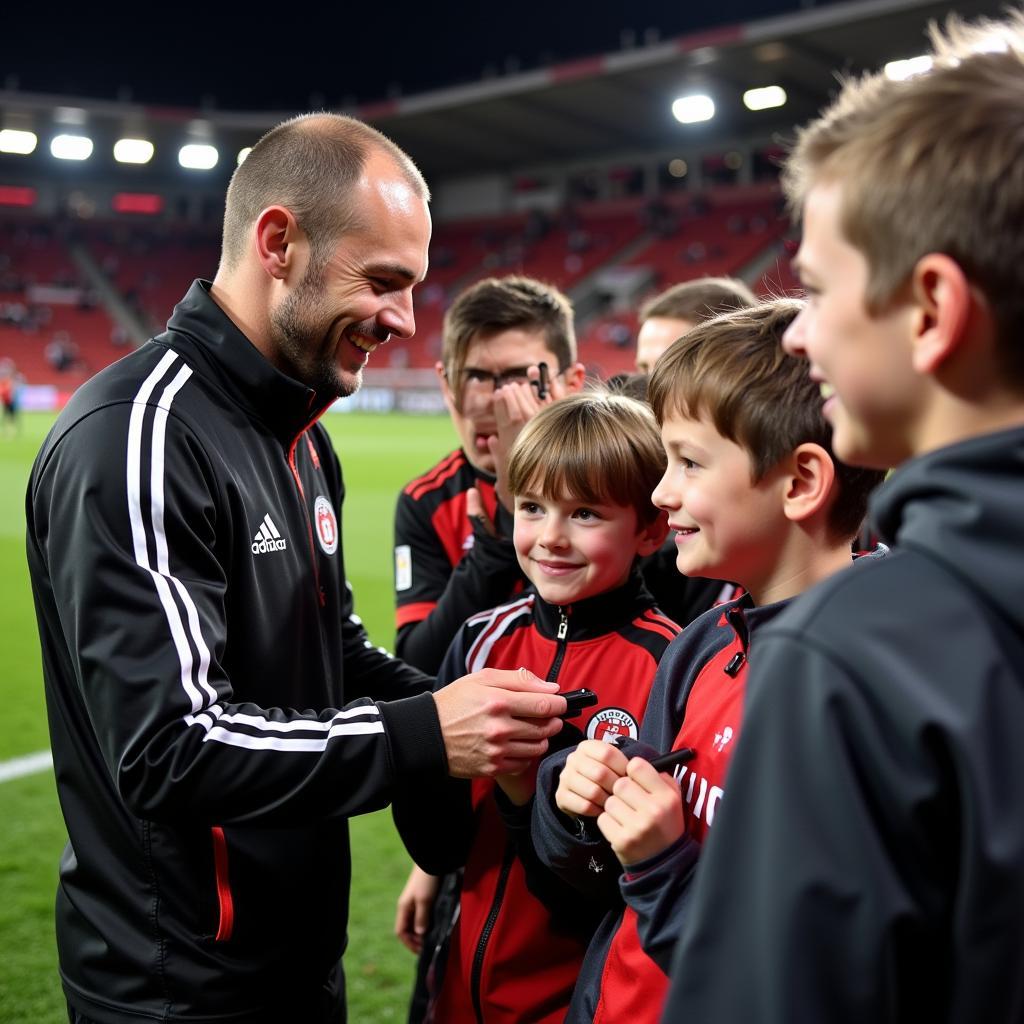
<point x="225" y="900"/>
<point x="418" y="487"/>
<point x="413" y="612"/>
<point x="658" y="625"/>
<point x="436" y="476"/>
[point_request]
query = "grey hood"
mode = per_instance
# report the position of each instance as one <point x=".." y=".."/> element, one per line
<point x="963" y="505"/>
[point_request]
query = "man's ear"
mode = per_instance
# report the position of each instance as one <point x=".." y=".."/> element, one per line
<point x="652" y="536"/>
<point x="944" y="299"/>
<point x="809" y="476"/>
<point x="278" y="240"/>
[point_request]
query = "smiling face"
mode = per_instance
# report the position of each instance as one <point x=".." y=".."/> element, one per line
<point x="471" y="402"/>
<point x="873" y="398"/>
<point x="571" y="550"/>
<point x="324" y="328"/>
<point x="725" y="526"/>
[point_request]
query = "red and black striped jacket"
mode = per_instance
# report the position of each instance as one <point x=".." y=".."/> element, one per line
<point x="521" y="934"/>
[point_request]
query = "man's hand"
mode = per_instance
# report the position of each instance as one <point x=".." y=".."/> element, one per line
<point x="414" y="908"/>
<point x="588" y="778"/>
<point x="495" y="722"/>
<point x="644" y="814"/>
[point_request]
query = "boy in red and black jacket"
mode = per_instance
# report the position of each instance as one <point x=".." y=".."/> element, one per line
<point x="581" y="474"/>
<point x="752" y="494"/>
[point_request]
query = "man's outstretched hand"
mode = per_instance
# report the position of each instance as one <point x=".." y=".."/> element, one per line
<point x="495" y="722"/>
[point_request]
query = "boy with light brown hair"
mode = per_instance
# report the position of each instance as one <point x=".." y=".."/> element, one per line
<point x="868" y="863"/>
<point x="581" y="473"/>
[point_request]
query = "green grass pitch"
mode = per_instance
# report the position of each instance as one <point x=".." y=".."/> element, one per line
<point x="379" y="454"/>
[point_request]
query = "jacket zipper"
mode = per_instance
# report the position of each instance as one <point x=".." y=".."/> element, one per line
<point x="321" y="596"/>
<point x="225" y="901"/>
<point x="561" y="643"/>
<point x="476" y="974"/>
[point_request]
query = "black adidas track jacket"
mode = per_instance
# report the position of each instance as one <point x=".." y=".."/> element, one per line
<point x="211" y="694"/>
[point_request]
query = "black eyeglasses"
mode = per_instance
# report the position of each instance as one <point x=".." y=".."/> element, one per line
<point x="473" y="378"/>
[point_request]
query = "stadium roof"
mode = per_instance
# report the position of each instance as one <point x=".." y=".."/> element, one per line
<point x="613" y="105"/>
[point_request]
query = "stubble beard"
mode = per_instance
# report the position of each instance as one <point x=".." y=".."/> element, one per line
<point x="302" y="340"/>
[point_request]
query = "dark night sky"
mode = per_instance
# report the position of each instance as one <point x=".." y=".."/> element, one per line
<point x="323" y="57"/>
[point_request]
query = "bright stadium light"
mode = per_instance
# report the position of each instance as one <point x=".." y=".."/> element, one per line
<point x="765" y="98"/>
<point x="899" y="70"/>
<point x="198" y="156"/>
<point x="71" y="147"/>
<point x="133" y="151"/>
<point x="243" y="153"/>
<point x="691" y="109"/>
<point x="14" y="141"/>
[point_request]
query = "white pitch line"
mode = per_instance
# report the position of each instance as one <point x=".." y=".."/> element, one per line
<point x="30" y="764"/>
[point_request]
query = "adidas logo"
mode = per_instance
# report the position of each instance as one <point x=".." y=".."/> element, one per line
<point x="267" y="538"/>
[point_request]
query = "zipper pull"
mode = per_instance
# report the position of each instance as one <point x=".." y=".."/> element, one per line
<point x="563" y="626"/>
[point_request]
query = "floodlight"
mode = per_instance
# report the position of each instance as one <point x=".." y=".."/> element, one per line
<point x="198" y="156"/>
<point x="71" y="147"/>
<point x="764" y="98"/>
<point x="14" y="141"/>
<point x="691" y="109"/>
<point x="133" y="151"/>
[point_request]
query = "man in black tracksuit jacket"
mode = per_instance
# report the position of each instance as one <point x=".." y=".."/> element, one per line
<point x="216" y="708"/>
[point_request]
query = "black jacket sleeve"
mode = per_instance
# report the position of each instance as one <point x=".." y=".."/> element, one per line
<point x="434" y="816"/>
<point x="574" y="850"/>
<point x="484" y="578"/>
<point x="131" y="573"/>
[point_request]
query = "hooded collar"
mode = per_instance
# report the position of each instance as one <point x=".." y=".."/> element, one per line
<point x="963" y="505"/>
<point x="597" y="615"/>
<point x="203" y="333"/>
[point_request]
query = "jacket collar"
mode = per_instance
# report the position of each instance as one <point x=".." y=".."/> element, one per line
<point x="597" y="615"/>
<point x="203" y="333"/>
<point x="745" y="617"/>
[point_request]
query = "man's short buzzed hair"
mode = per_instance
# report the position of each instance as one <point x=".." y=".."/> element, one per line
<point x="699" y="300"/>
<point x="309" y="165"/>
<point x="933" y="164"/>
